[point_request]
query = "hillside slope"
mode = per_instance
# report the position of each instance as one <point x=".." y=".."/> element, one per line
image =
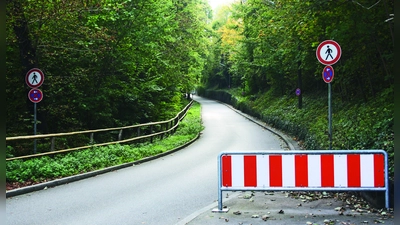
<point x="355" y="125"/>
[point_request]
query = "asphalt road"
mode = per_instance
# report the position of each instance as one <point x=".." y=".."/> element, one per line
<point x="162" y="191"/>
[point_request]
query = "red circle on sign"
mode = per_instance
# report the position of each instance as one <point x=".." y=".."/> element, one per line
<point x="327" y="43"/>
<point x="35" y="95"/>
<point x="34" y="78"/>
<point x="328" y="74"/>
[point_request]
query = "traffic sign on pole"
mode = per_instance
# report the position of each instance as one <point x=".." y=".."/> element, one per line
<point x="328" y="74"/>
<point x="34" y="78"/>
<point x="35" y="95"/>
<point x="328" y="52"/>
<point x="298" y="92"/>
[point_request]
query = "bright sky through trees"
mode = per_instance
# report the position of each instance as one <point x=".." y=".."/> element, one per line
<point x="215" y="3"/>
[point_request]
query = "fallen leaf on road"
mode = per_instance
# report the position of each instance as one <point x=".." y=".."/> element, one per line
<point x="237" y="213"/>
<point x="347" y="223"/>
<point x="247" y="196"/>
<point x="340" y="208"/>
<point x="361" y="210"/>
<point x="265" y="217"/>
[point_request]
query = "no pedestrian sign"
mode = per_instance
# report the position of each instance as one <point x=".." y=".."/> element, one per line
<point x="34" y="78"/>
<point x="328" y="52"/>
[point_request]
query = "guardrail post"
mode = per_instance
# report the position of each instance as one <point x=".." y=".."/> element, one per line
<point x="52" y="143"/>
<point x="120" y="135"/>
<point x="138" y="131"/>
<point x="91" y="138"/>
<point x="151" y="132"/>
<point x="176" y="122"/>
<point x="161" y="129"/>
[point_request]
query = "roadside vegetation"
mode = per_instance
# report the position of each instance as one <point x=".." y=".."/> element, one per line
<point x="355" y="125"/>
<point x="26" y="172"/>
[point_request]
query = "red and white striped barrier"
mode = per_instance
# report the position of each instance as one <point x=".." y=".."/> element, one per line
<point x="340" y="170"/>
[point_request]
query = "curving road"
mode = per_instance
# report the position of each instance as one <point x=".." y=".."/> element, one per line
<point x="162" y="191"/>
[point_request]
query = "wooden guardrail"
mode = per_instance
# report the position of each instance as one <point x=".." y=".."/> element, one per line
<point x="153" y="128"/>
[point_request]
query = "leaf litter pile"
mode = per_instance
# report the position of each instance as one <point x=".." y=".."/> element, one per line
<point x="354" y="204"/>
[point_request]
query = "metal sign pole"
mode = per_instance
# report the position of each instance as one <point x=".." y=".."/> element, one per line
<point x="328" y="53"/>
<point x="34" y="127"/>
<point x="34" y="78"/>
<point x="330" y="115"/>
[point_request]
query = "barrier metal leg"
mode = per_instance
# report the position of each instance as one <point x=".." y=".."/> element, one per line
<point x="386" y="182"/>
<point x="220" y="207"/>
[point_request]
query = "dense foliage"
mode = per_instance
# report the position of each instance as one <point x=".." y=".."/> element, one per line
<point x="107" y="63"/>
<point x="63" y="165"/>
<point x="263" y="45"/>
<point x="264" y="50"/>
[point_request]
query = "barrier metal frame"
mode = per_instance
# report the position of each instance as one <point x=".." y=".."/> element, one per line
<point x="307" y="152"/>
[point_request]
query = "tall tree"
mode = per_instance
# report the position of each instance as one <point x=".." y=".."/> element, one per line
<point x="278" y="35"/>
<point x="106" y="63"/>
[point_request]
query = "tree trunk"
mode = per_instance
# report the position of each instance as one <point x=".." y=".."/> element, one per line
<point x="26" y="51"/>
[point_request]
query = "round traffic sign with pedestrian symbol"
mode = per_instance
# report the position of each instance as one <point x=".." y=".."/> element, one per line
<point x="34" y="78"/>
<point x="328" y="52"/>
